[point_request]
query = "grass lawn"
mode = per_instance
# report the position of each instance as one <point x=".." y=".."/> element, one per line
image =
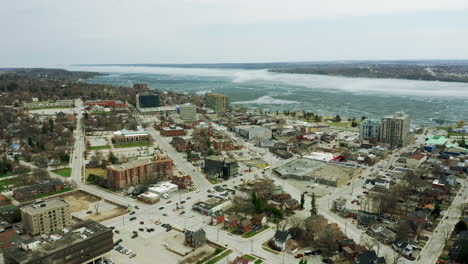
<point x="219" y="257"/>
<point x="99" y="147"/>
<point x="5" y="175"/>
<point x="52" y="193"/>
<point x="258" y="261"/>
<point x="96" y="171"/>
<point x="133" y="145"/>
<point x="249" y="257"/>
<point x="253" y="233"/>
<point x="65" y="172"/>
<point x="4" y="184"/>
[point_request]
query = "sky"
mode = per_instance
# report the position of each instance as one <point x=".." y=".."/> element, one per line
<point x="62" y="32"/>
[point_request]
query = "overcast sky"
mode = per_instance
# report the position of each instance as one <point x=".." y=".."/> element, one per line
<point x="62" y="32"/>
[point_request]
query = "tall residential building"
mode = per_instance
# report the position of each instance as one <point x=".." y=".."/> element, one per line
<point x="395" y="130"/>
<point x="142" y="171"/>
<point x="369" y="129"/>
<point x="45" y="216"/>
<point x="188" y="112"/>
<point x="86" y="242"/>
<point x="218" y="102"/>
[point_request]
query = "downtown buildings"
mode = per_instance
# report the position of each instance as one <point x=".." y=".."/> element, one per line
<point x="45" y="216"/>
<point x="393" y="129"/>
<point x="218" y="102"/>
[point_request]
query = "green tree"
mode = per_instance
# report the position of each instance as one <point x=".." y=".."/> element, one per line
<point x="303" y="261"/>
<point x="437" y="210"/>
<point x="363" y="118"/>
<point x="462" y="142"/>
<point x="189" y="153"/>
<point x="337" y="118"/>
<point x="313" y="209"/>
<point x="257" y="203"/>
<point x="112" y="158"/>
<point x="302" y="200"/>
<point x="354" y="124"/>
<point x="460" y="226"/>
<point x="51" y="125"/>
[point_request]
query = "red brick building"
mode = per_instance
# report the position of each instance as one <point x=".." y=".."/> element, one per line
<point x="245" y="226"/>
<point x="182" y="182"/>
<point x="172" y="131"/>
<point x="7" y="235"/>
<point x="217" y="218"/>
<point x="30" y="192"/>
<point x="231" y="221"/>
<point x="143" y="171"/>
<point x="125" y="136"/>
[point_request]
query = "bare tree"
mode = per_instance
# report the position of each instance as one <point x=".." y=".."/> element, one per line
<point x="97" y="206"/>
<point x="446" y="232"/>
<point x="396" y="258"/>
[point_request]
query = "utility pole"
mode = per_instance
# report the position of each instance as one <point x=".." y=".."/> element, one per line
<point x="251" y="246"/>
<point x="217" y="233"/>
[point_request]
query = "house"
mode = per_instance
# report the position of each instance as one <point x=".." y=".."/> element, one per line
<point x="282" y="239"/>
<point x="183" y="182"/>
<point x="195" y="238"/>
<point x="352" y="251"/>
<point x="242" y="260"/>
<point x="179" y="144"/>
<point x="245" y="226"/>
<point x="217" y="218"/>
<point x="281" y="198"/>
<point x="259" y="219"/>
<point x="291" y="204"/>
<point x="369" y="257"/>
<point x="231" y="221"/>
<point x="402" y="246"/>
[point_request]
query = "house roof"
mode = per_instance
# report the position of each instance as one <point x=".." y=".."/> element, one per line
<point x="281" y="236"/>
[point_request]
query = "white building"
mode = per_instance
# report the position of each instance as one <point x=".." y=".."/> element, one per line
<point x="254" y="132"/>
<point x="148" y="197"/>
<point x="163" y="189"/>
<point x="188" y="112"/>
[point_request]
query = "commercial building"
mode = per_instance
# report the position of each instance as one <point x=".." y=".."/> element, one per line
<point x="395" y="130"/>
<point x="328" y="173"/>
<point x="32" y="191"/>
<point x="369" y="130"/>
<point x="210" y="206"/>
<point x="86" y="242"/>
<point x="172" y="131"/>
<point x="42" y="217"/>
<point x="188" y="112"/>
<point x="195" y="237"/>
<point x="106" y="103"/>
<point x="163" y="189"/>
<point x="7" y="234"/>
<point x="218" y="102"/>
<point x="148" y="100"/>
<point x="55" y="103"/>
<point x="216" y="166"/>
<point x="125" y="136"/>
<point x="183" y="182"/>
<point x="143" y="171"/>
<point x="148" y="197"/>
<point x="254" y="132"/>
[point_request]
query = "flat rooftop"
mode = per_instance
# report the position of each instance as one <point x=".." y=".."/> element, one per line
<point x="62" y="239"/>
<point x="130" y="164"/>
<point x="305" y="167"/>
<point x="44" y="206"/>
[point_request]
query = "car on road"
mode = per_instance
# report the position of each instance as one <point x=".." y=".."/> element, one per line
<point x="141" y="229"/>
<point x="327" y="260"/>
<point x="142" y="223"/>
<point x="365" y="192"/>
<point x="299" y="256"/>
<point x="137" y="207"/>
<point x="165" y="244"/>
<point x="182" y="202"/>
<point x="183" y="212"/>
<point x="188" y="198"/>
<point x="132" y="218"/>
<point x="132" y="255"/>
<point x="162" y="207"/>
<point x="112" y="227"/>
<point x="132" y="213"/>
<point x="210" y="195"/>
<point x="134" y="236"/>
<point x="168" y="202"/>
<point x="117" y="231"/>
<point x="164" y="214"/>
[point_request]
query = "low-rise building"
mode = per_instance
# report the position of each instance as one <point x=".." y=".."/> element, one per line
<point x="125" y="136"/>
<point x="245" y="226"/>
<point x="209" y="206"/>
<point x="183" y="182"/>
<point x="7" y="234"/>
<point x="188" y="112"/>
<point x="220" y="167"/>
<point x="254" y="132"/>
<point x="32" y="191"/>
<point x="282" y="239"/>
<point x="45" y="216"/>
<point x="163" y="189"/>
<point x="172" y="131"/>
<point x="195" y="237"/>
<point x="217" y="218"/>
<point x="148" y="197"/>
<point x="85" y="242"/>
<point x="54" y="103"/>
<point x="106" y="103"/>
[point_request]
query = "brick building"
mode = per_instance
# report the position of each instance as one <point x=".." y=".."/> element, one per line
<point x="7" y="234"/>
<point x="182" y="182"/>
<point x="32" y="191"/>
<point x="125" y="136"/>
<point x="143" y="171"/>
<point x="172" y="131"/>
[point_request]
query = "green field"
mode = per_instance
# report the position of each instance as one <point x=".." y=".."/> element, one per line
<point x="65" y="172"/>
<point x="133" y="145"/>
<point x="219" y="257"/>
<point x="53" y="193"/>
<point x="99" y="147"/>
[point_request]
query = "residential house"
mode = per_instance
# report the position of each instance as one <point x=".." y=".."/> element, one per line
<point x="195" y="238"/>
<point x="282" y="239"/>
<point x="183" y="182"/>
<point x="259" y="219"/>
<point x="291" y="204"/>
<point x="245" y="226"/>
<point x="369" y="257"/>
<point x="217" y="218"/>
<point x="231" y="221"/>
<point x="403" y="247"/>
<point x="179" y="144"/>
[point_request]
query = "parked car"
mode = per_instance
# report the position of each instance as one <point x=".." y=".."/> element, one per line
<point x="299" y="256"/>
<point x="134" y="236"/>
<point x="141" y="229"/>
<point x="162" y="207"/>
<point x="132" y="218"/>
<point x="317" y="252"/>
<point x="327" y="260"/>
<point x="142" y="223"/>
<point x="132" y="255"/>
<point x="117" y="231"/>
<point x="132" y="213"/>
<point x="182" y="202"/>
